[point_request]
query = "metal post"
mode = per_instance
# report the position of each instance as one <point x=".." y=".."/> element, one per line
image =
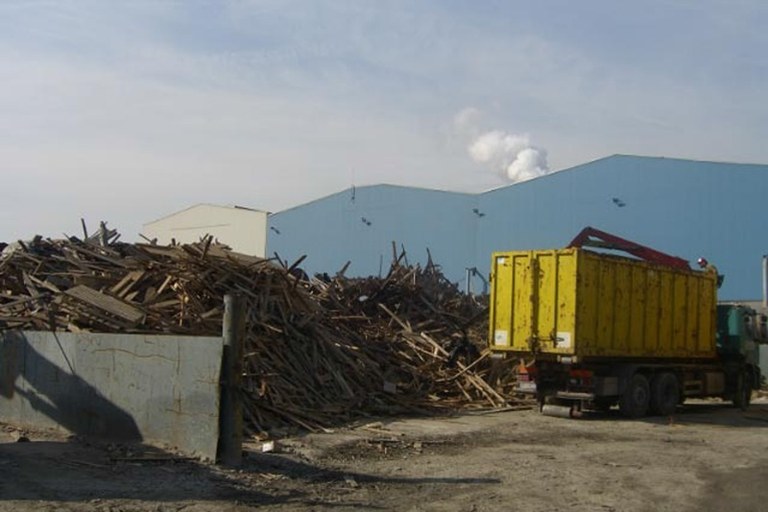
<point x="469" y="281"/>
<point x="765" y="280"/>
<point x="231" y="404"/>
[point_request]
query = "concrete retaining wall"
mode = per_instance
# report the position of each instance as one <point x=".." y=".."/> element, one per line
<point x="161" y="390"/>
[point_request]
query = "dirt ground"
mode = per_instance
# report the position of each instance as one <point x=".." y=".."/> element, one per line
<point x="709" y="456"/>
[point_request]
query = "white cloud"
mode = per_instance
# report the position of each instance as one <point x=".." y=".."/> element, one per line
<point x="105" y="144"/>
<point x="126" y="111"/>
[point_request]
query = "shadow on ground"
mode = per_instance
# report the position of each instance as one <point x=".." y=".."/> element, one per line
<point x="74" y="472"/>
<point x="698" y="413"/>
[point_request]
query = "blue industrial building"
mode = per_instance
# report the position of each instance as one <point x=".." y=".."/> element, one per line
<point x="682" y="207"/>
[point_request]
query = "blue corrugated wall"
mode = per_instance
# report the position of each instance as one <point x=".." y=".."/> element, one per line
<point x="682" y="207"/>
<point x="359" y="225"/>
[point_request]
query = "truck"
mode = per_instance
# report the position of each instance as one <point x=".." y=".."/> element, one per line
<point x="609" y="322"/>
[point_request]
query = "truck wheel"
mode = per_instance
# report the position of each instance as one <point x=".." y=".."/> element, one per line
<point x="743" y="391"/>
<point x="665" y="394"/>
<point x="634" y="402"/>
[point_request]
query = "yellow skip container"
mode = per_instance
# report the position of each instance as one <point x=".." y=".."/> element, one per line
<point x="576" y="302"/>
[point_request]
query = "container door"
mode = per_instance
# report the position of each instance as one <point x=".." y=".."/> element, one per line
<point x="532" y="308"/>
<point x="510" y="323"/>
<point x="554" y="296"/>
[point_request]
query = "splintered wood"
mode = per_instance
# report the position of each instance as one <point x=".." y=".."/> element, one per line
<point x="318" y="352"/>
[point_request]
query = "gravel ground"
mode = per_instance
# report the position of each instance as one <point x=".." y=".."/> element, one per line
<point x="709" y="456"/>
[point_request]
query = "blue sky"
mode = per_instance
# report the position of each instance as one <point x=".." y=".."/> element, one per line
<point x="127" y="111"/>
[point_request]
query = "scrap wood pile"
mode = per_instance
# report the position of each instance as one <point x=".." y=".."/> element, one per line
<point x="318" y="351"/>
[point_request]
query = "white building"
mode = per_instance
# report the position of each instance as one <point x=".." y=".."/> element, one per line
<point x="242" y="229"/>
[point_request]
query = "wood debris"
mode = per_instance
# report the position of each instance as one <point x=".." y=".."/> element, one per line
<point x="319" y="351"/>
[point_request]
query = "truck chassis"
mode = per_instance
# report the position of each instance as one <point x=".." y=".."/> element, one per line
<point x="638" y="388"/>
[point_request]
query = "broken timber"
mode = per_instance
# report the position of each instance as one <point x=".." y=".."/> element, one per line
<point x="318" y="351"/>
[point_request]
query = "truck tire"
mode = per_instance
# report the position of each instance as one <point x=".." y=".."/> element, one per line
<point x="665" y="394"/>
<point x="634" y="402"/>
<point x="743" y="391"/>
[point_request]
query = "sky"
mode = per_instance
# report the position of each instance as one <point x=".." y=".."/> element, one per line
<point x="126" y="111"/>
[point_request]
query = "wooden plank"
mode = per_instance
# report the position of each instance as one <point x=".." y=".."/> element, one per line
<point x="106" y="303"/>
<point x="129" y="279"/>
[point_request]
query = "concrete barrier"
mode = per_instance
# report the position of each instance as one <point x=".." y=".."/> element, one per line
<point x="160" y="390"/>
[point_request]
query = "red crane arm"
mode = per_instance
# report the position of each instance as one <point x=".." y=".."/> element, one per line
<point x="591" y="237"/>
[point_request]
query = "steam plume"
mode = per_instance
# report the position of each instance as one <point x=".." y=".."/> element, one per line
<point x="512" y="156"/>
